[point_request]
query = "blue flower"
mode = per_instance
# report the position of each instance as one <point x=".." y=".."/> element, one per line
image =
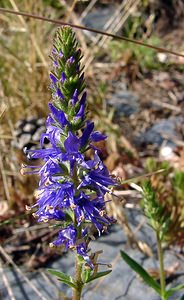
<point x="82" y="251"/>
<point x="92" y="210"/>
<point x="66" y="237"/>
<point x="58" y="115"/>
<point x="95" y="175"/>
<point x="71" y="187"/>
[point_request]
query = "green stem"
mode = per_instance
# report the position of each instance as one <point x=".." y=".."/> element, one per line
<point x="78" y="266"/>
<point x="77" y="292"/>
<point x="161" y="262"/>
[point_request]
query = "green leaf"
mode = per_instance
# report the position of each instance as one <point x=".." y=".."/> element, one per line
<point x="172" y="290"/>
<point x="98" y="275"/>
<point x="142" y="272"/>
<point x="63" y="278"/>
<point x="86" y="274"/>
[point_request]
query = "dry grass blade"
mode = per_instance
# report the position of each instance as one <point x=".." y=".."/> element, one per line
<point x="3" y="109"/>
<point x="18" y="270"/>
<point x="141" y="177"/>
<point x="120" y="16"/>
<point x="4" y="179"/>
<point x="72" y="16"/>
<point x="88" y="8"/>
<point x="33" y="39"/>
<point x="53" y="282"/>
<point x="70" y="9"/>
<point x="6" y="283"/>
<point x="140" y="43"/>
<point x="114" y="23"/>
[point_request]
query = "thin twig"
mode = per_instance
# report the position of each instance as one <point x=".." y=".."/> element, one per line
<point x="119" y="37"/>
<point x="100" y="281"/>
<point x="5" y="183"/>
<point x="6" y="283"/>
<point x="31" y="228"/>
<point x="119" y="17"/>
<point x="166" y="105"/>
<point x="35" y="44"/>
<point x="34" y="288"/>
<point x="87" y="9"/>
<point x="137" y="178"/>
<point x="70" y="9"/>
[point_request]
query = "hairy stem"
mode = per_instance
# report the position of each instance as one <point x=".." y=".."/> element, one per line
<point x="78" y="266"/>
<point x="161" y="262"/>
<point x="77" y="292"/>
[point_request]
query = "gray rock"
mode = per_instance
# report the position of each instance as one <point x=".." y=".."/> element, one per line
<point x="31" y="119"/>
<point x="20" y="123"/>
<point x="40" y="122"/>
<point x="163" y="130"/>
<point x="98" y="18"/>
<point x="29" y="128"/>
<point x="17" y="132"/>
<point x="125" y="103"/>
<point x="24" y="140"/>
<point x="37" y="134"/>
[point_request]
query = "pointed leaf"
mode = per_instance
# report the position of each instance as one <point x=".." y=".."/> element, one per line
<point x="141" y="271"/>
<point x="172" y="290"/>
<point x="59" y="274"/>
<point x="86" y="274"/>
<point x="69" y="283"/>
<point x="98" y="275"/>
<point x="63" y="278"/>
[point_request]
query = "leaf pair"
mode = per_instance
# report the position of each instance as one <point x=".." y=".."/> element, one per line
<point x="98" y="275"/>
<point x="71" y="282"/>
<point x="64" y="278"/>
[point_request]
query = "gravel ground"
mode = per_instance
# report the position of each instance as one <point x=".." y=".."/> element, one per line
<point x="122" y="283"/>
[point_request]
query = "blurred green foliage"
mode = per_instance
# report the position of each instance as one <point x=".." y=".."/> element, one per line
<point x="145" y="57"/>
<point x="24" y="62"/>
<point x="164" y="196"/>
<point x="159" y="217"/>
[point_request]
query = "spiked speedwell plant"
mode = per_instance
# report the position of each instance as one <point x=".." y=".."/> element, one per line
<point x="159" y="219"/>
<point x="71" y="188"/>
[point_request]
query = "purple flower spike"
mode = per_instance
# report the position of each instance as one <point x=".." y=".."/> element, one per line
<point x="66" y="237"/>
<point x="81" y="112"/>
<point x="55" y="64"/>
<point x="86" y="133"/>
<point x="54" y="51"/>
<point x="71" y="143"/>
<point x="96" y="136"/>
<point x="72" y="186"/>
<point x="51" y="214"/>
<point x="58" y="115"/>
<point x="53" y="78"/>
<point x="75" y="97"/>
<point x="63" y="77"/>
<point x="60" y="54"/>
<point x="59" y="94"/>
<point x="82" y="251"/>
<point x="71" y="60"/>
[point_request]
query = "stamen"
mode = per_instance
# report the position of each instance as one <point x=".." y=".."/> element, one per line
<point x="72" y="247"/>
<point x="102" y="213"/>
<point x="72" y="206"/>
<point x="47" y="182"/>
<point x="38" y="193"/>
<point x="45" y="219"/>
<point x="28" y="207"/>
<point x="25" y="167"/>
